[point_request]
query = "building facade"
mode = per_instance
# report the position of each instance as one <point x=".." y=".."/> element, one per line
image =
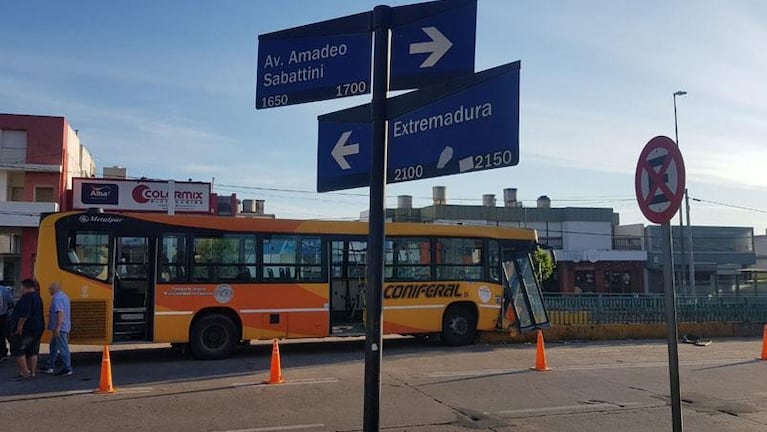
<point x="39" y="156"/>
<point x="720" y="256"/>
<point x="582" y="238"/>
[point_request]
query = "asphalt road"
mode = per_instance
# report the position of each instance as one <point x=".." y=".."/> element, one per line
<point x="593" y="386"/>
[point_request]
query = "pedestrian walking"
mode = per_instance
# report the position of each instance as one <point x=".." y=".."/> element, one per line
<point x="6" y="305"/>
<point x="27" y="327"/>
<point x="60" y="324"/>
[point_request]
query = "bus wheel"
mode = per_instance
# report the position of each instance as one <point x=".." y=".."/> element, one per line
<point x="213" y="337"/>
<point x="459" y="325"/>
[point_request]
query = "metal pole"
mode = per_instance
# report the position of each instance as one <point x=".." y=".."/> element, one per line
<point x="681" y="222"/>
<point x="376" y="223"/>
<point x="673" y="354"/>
<point x="689" y="241"/>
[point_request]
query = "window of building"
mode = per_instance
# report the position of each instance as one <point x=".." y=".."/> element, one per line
<point x="44" y="194"/>
<point x="617" y="281"/>
<point x="459" y="259"/>
<point x="13" y="146"/>
<point x="17" y="194"/>
<point x="552" y="242"/>
<point x="585" y="281"/>
<point x="10" y="243"/>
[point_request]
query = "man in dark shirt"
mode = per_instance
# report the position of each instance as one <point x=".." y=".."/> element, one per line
<point x="26" y="328"/>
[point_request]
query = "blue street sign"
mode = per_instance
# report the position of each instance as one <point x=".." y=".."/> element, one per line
<point x="432" y="42"/>
<point x="325" y="60"/>
<point x="343" y="157"/>
<point x="464" y="125"/>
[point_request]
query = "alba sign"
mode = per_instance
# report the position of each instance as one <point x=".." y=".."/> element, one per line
<point x="140" y="195"/>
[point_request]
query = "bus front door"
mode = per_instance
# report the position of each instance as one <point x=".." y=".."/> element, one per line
<point x="133" y="289"/>
<point x="522" y="301"/>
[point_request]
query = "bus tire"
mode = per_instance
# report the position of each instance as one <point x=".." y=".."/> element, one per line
<point x="213" y="337"/>
<point x="459" y="325"/>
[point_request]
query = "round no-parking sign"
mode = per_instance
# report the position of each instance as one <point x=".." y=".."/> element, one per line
<point x="659" y="179"/>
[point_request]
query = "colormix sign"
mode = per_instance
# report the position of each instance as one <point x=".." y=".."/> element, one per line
<point x="139" y="195"/>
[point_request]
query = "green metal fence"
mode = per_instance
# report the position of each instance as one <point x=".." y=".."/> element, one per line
<point x="650" y="308"/>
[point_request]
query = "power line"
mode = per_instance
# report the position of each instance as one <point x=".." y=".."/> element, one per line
<point x="729" y="205"/>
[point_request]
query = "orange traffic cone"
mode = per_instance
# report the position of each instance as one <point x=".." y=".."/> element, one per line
<point x="540" y="355"/>
<point x="764" y="343"/>
<point x="105" y="382"/>
<point x="275" y="374"/>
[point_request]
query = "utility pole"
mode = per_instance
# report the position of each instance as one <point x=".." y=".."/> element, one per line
<point x="681" y="221"/>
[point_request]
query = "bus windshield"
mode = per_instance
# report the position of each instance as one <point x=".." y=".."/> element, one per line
<point x="522" y="291"/>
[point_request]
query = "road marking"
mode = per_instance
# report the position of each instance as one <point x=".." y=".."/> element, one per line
<point x="117" y="390"/>
<point x="653" y="364"/>
<point x="278" y="428"/>
<point x="483" y="372"/>
<point x="585" y="407"/>
<point x="76" y="392"/>
<point x="134" y="389"/>
<point x="292" y="382"/>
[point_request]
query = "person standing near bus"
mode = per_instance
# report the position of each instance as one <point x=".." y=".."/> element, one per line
<point x="6" y="304"/>
<point x="26" y="329"/>
<point x="59" y="323"/>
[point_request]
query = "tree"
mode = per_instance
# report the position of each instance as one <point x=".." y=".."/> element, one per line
<point x="543" y="264"/>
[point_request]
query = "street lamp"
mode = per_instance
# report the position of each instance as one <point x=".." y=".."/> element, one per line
<point x="681" y="222"/>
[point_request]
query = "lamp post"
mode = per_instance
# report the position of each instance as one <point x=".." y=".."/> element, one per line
<point x="681" y="222"/>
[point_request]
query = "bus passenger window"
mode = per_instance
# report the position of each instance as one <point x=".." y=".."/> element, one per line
<point x="459" y="259"/>
<point x="243" y="274"/>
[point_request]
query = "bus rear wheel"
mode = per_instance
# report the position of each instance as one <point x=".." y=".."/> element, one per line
<point x="213" y="337"/>
<point x="459" y="325"/>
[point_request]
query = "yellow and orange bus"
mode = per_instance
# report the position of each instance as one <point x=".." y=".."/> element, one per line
<point x="212" y="282"/>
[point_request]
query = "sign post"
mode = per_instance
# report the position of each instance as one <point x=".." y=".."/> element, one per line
<point x="659" y="184"/>
<point x="433" y="42"/>
<point x="376" y="223"/>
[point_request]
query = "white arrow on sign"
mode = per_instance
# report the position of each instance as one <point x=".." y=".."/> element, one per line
<point x="341" y="150"/>
<point x="438" y="46"/>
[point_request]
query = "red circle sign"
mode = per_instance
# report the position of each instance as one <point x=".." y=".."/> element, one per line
<point x="660" y="179"/>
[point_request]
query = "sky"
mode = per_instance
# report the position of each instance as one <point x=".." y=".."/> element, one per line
<point x="167" y="90"/>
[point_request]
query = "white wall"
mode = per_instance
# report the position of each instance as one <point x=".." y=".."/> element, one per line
<point x="587" y="235"/>
<point x="635" y="230"/>
<point x="24" y="214"/>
